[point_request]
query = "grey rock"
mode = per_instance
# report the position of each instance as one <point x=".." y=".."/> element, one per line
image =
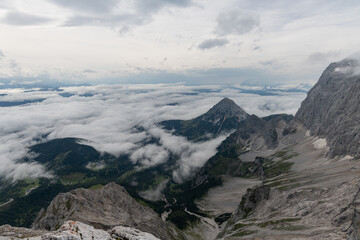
<point x="253" y="197"/>
<point x="74" y="230"/>
<point x="226" y="108"/>
<point x="18" y="232"/>
<point x="103" y="208"/>
<point x="225" y="116"/>
<point x="331" y="108"/>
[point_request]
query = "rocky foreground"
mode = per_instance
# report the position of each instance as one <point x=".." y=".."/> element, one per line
<point x="74" y="230"/>
<point x="103" y="208"/>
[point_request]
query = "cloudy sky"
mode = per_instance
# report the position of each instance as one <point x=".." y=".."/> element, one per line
<point x="192" y="41"/>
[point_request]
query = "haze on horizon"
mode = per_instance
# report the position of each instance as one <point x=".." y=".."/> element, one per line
<point x="197" y="42"/>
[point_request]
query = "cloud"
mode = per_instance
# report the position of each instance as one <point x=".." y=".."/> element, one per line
<point x="124" y="20"/>
<point x="155" y="194"/>
<point x="24" y="19"/>
<point x="236" y="22"/>
<point x="150" y="155"/>
<point x="94" y="6"/>
<point x="155" y="5"/>
<point x="350" y="66"/>
<point x="115" y="13"/>
<point x="89" y="71"/>
<point x="321" y="57"/>
<point x="193" y="159"/>
<point x="107" y="118"/>
<point x="8" y="68"/>
<point x="211" y="43"/>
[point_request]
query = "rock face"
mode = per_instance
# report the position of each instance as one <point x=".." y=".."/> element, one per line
<point x="318" y="199"/>
<point x="331" y="109"/>
<point x="76" y="231"/>
<point x="256" y="132"/>
<point x="224" y="116"/>
<point x="250" y="201"/>
<point x="73" y="230"/>
<point x="103" y="208"/>
<point x="227" y="109"/>
<point x="9" y="232"/>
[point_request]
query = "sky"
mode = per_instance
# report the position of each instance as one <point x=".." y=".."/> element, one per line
<point x="105" y="116"/>
<point x="197" y="42"/>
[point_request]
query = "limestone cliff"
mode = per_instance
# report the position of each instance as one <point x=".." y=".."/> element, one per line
<point x="103" y="208"/>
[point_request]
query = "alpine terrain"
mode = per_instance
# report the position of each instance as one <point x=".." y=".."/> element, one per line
<point x="272" y="178"/>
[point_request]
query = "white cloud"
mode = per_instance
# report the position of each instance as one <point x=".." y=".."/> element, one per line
<point x="195" y="157"/>
<point x="236" y="22"/>
<point x="107" y="119"/>
<point x="149" y="155"/>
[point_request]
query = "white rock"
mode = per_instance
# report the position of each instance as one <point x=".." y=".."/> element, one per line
<point x="72" y="230"/>
<point x="128" y="233"/>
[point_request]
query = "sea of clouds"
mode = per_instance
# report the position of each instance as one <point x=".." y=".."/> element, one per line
<point x="108" y="118"/>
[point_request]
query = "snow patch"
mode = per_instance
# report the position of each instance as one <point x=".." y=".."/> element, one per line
<point x="347" y="157"/>
<point x="320" y="143"/>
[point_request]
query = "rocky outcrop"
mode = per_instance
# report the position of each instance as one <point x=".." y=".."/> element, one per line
<point x="103" y="208"/>
<point x="331" y="108"/>
<point x="9" y="232"/>
<point x="253" y="197"/>
<point x="256" y="132"/>
<point x="74" y="230"/>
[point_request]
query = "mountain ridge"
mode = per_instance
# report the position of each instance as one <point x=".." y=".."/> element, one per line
<point x="330" y="109"/>
<point x="222" y="117"/>
<point x="103" y="208"/>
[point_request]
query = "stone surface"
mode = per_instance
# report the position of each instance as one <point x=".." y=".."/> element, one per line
<point x="74" y="230"/>
<point x="331" y="108"/>
<point x="318" y="199"/>
<point x="128" y="233"/>
<point x="103" y="208"/>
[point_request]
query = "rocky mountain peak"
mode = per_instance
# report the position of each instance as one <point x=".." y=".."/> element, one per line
<point x="225" y="116"/>
<point x="337" y="72"/>
<point x="331" y="110"/>
<point x="225" y="108"/>
<point x="104" y="208"/>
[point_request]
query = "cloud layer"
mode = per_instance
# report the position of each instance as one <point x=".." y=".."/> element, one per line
<point x="108" y="117"/>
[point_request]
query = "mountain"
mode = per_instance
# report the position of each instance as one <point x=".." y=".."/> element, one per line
<point x="104" y="208"/>
<point x="72" y="165"/>
<point x="224" y="116"/>
<point x="331" y="108"/>
<point x="252" y="135"/>
<point x="318" y="196"/>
